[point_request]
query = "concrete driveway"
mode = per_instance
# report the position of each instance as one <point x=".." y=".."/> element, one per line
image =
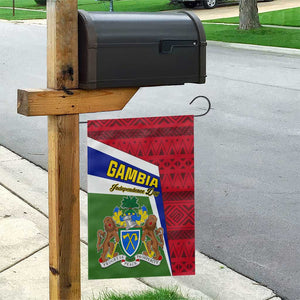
<point x="233" y="10"/>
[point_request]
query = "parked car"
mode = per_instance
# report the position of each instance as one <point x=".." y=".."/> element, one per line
<point x="205" y="3"/>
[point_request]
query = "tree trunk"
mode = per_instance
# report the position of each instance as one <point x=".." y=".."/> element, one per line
<point x="249" y="15"/>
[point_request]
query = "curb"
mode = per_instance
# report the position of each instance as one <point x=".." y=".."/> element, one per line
<point x="28" y="184"/>
<point x="40" y="22"/>
<point x="262" y="25"/>
<point x="214" y="281"/>
<point x="278" y="50"/>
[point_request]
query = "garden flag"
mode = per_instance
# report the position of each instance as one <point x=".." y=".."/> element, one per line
<point x="141" y="197"/>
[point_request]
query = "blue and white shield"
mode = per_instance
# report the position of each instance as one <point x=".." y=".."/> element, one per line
<point x="130" y="240"/>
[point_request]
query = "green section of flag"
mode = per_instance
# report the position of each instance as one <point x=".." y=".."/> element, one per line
<point x="100" y="206"/>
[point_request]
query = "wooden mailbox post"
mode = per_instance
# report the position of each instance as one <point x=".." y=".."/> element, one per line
<point x="62" y="102"/>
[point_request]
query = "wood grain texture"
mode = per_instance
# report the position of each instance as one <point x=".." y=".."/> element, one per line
<point x="63" y="155"/>
<point x="64" y="213"/>
<point x="52" y="102"/>
<point x="62" y="45"/>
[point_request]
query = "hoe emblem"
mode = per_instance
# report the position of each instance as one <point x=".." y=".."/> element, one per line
<point x="130" y="240"/>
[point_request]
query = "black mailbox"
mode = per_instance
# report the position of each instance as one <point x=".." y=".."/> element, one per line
<point x="140" y="49"/>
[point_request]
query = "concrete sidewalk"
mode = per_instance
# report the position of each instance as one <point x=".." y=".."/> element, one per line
<point x="24" y="248"/>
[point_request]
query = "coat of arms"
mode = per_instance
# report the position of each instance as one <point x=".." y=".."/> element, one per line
<point x="130" y="235"/>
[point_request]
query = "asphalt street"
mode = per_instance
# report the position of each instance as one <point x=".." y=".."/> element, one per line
<point x="247" y="165"/>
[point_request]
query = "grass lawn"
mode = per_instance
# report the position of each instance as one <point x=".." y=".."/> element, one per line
<point x="127" y="5"/>
<point x="21" y="4"/>
<point x="285" y="17"/>
<point x="89" y="5"/>
<point x="265" y="36"/>
<point x="7" y="14"/>
<point x="159" y="294"/>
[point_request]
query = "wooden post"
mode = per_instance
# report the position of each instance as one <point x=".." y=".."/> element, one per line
<point x="62" y="102"/>
<point x="64" y="221"/>
<point x="63" y="156"/>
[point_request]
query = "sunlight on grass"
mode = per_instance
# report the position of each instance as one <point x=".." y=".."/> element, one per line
<point x="159" y="294"/>
<point x="285" y="17"/>
<point x="89" y="5"/>
<point x="127" y="5"/>
<point x="21" y="4"/>
<point x="276" y="37"/>
<point x="7" y="14"/>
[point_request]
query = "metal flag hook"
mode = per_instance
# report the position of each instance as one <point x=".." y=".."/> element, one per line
<point x="209" y="105"/>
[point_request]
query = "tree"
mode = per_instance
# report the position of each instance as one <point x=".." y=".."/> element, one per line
<point x="249" y="15"/>
<point x="129" y="202"/>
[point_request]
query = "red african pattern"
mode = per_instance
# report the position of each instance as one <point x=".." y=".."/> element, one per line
<point x="181" y="249"/>
<point x="167" y="142"/>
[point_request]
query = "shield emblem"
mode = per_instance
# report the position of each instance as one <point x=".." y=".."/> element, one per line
<point x="130" y="240"/>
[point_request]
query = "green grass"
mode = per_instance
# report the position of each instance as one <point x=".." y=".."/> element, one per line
<point x="127" y="5"/>
<point x="285" y="17"/>
<point x="7" y="14"/>
<point x="89" y="5"/>
<point x="159" y="294"/>
<point x="265" y="36"/>
<point x="21" y="4"/>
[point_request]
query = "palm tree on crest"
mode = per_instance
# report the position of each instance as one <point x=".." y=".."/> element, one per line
<point x="130" y="203"/>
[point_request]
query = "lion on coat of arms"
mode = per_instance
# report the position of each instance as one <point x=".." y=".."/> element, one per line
<point x="111" y="231"/>
<point x="152" y="244"/>
<point x="126" y="221"/>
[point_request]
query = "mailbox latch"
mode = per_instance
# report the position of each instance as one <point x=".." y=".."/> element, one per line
<point x="167" y="46"/>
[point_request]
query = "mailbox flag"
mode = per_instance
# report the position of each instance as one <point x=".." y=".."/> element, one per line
<point x="141" y="197"/>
